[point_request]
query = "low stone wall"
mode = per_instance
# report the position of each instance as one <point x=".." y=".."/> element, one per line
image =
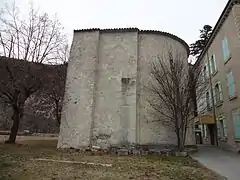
<point x="135" y="151"/>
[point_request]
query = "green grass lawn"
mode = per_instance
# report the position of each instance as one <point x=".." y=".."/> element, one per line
<point x="16" y="163"/>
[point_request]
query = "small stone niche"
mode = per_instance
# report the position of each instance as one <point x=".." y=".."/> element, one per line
<point x="125" y="80"/>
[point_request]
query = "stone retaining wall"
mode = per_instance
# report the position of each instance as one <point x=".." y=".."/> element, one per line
<point x="136" y="151"/>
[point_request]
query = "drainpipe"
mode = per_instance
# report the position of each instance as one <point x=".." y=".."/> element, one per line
<point x="213" y="103"/>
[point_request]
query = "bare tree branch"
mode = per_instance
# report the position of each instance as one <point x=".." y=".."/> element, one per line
<point x="36" y="39"/>
<point x="172" y="91"/>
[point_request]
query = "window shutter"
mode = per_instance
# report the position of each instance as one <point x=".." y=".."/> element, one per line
<point x="227" y="48"/>
<point x="230" y="83"/>
<point x="224" y="49"/>
<point x="231" y="76"/>
<point x="215" y="65"/>
<point x="211" y="65"/>
<point x="220" y="91"/>
<point x="228" y="80"/>
<point x="207" y="70"/>
<point x="214" y="95"/>
<point x="205" y="130"/>
<point x="218" y="128"/>
<point x="236" y="122"/>
<point x="225" y="129"/>
<point x="210" y="98"/>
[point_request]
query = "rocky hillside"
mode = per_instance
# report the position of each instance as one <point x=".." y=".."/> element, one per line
<point x="39" y="110"/>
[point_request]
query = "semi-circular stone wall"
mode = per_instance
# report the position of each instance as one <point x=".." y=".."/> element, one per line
<point x="151" y="45"/>
<point x="104" y="100"/>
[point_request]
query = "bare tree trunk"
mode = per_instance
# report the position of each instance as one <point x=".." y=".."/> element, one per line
<point x="14" y="129"/>
<point x="173" y="83"/>
<point x="178" y="139"/>
<point x="182" y="142"/>
<point x="57" y="112"/>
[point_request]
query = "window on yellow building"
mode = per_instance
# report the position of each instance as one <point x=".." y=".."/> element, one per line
<point x="222" y="128"/>
<point x="236" y="123"/>
<point x="213" y="66"/>
<point x="225" y="49"/>
<point x="208" y="101"/>
<point x="218" y="96"/>
<point x="231" y="85"/>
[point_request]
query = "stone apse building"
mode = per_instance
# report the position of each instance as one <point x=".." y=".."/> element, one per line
<point x="105" y="101"/>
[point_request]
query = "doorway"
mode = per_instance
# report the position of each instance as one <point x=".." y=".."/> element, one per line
<point x="198" y="136"/>
<point x="211" y="133"/>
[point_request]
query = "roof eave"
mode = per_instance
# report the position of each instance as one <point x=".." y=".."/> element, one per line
<point x="137" y="30"/>
<point x="218" y="25"/>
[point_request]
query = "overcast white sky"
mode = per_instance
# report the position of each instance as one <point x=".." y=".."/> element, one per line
<point x="183" y="18"/>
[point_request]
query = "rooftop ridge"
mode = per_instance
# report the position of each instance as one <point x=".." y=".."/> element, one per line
<point x="134" y="29"/>
<point x="218" y="25"/>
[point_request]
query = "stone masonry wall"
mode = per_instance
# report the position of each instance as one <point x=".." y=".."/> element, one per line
<point x="151" y="46"/>
<point x="115" y="115"/>
<point x="76" y="121"/>
<point x="105" y="102"/>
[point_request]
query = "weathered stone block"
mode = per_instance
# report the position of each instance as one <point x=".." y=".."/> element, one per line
<point x="144" y="152"/>
<point x="136" y="152"/>
<point x="154" y="152"/>
<point x="123" y="152"/>
<point x="181" y="154"/>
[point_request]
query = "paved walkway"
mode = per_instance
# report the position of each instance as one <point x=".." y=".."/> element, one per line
<point x="223" y="162"/>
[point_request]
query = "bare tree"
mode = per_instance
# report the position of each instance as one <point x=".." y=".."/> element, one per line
<point x="55" y="89"/>
<point x="18" y="82"/>
<point x="56" y="83"/>
<point x="36" y="39"/>
<point x="172" y="92"/>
